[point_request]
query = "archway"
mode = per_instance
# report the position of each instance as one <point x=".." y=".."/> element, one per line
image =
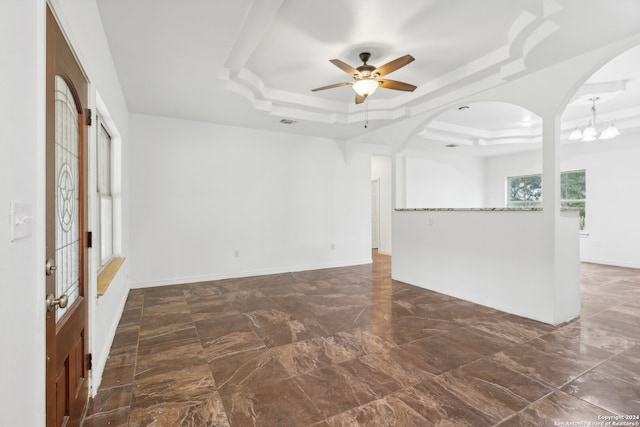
<point x="611" y="96"/>
<point x="464" y="156"/>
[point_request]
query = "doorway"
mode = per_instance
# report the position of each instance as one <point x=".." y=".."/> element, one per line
<point x="375" y="213"/>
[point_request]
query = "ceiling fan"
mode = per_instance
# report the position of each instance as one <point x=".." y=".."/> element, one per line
<point x="366" y="78"/>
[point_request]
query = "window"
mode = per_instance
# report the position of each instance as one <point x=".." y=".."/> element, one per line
<point x="105" y="196"/>
<point x="573" y="192"/>
<point x="526" y="192"/>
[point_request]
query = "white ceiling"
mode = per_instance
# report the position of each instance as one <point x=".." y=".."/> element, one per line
<point x="254" y="62"/>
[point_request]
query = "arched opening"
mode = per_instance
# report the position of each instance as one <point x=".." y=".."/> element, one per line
<point x="601" y="138"/>
<point x="470" y="155"/>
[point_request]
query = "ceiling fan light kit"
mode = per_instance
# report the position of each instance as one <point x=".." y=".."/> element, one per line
<point x="590" y="132"/>
<point x="365" y="87"/>
<point x="367" y="78"/>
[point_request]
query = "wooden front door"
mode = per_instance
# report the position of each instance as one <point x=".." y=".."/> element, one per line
<point x="66" y="257"/>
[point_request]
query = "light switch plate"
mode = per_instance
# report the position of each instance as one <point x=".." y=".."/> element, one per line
<point x="21" y="220"/>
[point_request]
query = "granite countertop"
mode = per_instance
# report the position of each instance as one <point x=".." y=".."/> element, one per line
<point x="471" y="209"/>
<point x="481" y="209"/>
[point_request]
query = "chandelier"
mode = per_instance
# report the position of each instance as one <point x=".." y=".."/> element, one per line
<point x="594" y="130"/>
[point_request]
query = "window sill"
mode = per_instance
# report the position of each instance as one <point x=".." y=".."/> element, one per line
<point x="105" y="277"/>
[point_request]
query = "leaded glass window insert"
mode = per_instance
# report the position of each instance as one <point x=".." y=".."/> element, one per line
<point x="67" y="164"/>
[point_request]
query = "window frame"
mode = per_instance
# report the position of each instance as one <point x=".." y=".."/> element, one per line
<point x="564" y="202"/>
<point x="104" y="194"/>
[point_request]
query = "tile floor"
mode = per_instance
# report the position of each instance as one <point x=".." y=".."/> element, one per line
<point x="351" y="347"/>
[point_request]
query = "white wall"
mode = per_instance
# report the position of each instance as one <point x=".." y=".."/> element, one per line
<point x="612" y="229"/>
<point x="211" y="201"/>
<point x="443" y="180"/>
<point x="22" y="167"/>
<point x="612" y="204"/>
<point x="381" y="169"/>
<point x="22" y="318"/>
<point x="478" y="256"/>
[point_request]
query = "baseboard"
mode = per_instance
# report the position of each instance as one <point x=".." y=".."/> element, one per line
<point x="240" y="274"/>
<point x="611" y="262"/>
<point x="99" y="361"/>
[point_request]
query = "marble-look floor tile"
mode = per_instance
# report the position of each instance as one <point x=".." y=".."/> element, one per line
<point x="230" y="344"/>
<point x="131" y="316"/>
<point x="166" y="306"/>
<point x="617" y="322"/>
<point x="117" y="374"/>
<point x="350" y="346"/>
<point x="624" y="366"/>
<point x="204" y="411"/>
<point x="479" y="341"/>
<point x="291" y="331"/>
<point x="214" y="327"/>
<point x="169" y="341"/>
<point x="604" y="391"/>
<point x="163" y="323"/>
<point x="556" y="409"/>
<point x="405" y="368"/>
<point x="175" y="387"/>
<point x="335" y="303"/>
<point x="578" y="332"/>
<point x="165" y="362"/>
<point x="495" y="391"/>
<point x="337" y="388"/>
<point x="389" y="411"/>
<point x="441" y="353"/>
<point x="263" y="318"/>
<point x="303" y="356"/>
<point x="439" y="406"/>
<point x="513" y="328"/>
<point x="125" y="340"/>
<point x="282" y="403"/>
<point x="550" y="362"/>
<point x="110" y="399"/>
<point x="247" y="370"/>
<point x="116" y="418"/>
<point x="406" y="329"/>
<point x="201" y="291"/>
<point x="362" y="316"/>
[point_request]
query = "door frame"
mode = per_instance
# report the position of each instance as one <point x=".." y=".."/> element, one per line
<point x="375" y="183"/>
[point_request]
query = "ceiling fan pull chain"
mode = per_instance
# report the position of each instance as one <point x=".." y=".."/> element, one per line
<point x="366" y="113"/>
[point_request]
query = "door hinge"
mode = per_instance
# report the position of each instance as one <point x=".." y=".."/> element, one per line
<point x="89" y="361"/>
<point x="89" y="239"/>
<point x="89" y="117"/>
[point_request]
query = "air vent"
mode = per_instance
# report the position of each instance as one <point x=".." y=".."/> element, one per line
<point x="287" y="121"/>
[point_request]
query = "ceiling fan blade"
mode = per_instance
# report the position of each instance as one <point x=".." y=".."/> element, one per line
<point x="393" y="84"/>
<point x="360" y="99"/>
<point x="331" y="86"/>
<point x="345" y="67"/>
<point x="390" y="67"/>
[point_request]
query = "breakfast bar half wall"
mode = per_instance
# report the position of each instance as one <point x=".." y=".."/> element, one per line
<point x="521" y="261"/>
